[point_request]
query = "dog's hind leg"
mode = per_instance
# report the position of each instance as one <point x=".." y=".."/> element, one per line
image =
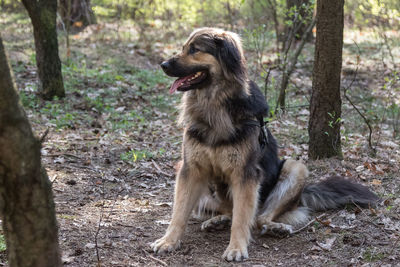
<point x="277" y="215"/>
<point x="223" y="206"/>
<point x="189" y="186"/>
<point x="218" y="222"/>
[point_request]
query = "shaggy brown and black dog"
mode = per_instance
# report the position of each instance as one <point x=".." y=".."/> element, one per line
<point x="229" y="160"/>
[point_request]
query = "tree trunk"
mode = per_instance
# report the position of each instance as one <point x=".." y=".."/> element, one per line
<point x="43" y="17"/>
<point x="77" y="13"/>
<point x="325" y="105"/>
<point x="26" y="202"/>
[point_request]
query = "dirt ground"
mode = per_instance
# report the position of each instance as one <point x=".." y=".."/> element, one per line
<point x="110" y="208"/>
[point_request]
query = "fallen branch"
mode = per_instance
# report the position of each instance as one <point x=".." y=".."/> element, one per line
<point x="309" y="223"/>
<point x="155" y="259"/>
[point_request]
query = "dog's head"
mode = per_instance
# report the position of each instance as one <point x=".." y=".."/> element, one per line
<point x="209" y="55"/>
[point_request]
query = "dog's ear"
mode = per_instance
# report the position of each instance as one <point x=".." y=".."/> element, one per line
<point x="230" y="58"/>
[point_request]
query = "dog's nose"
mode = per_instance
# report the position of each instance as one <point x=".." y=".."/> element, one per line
<point x="165" y="65"/>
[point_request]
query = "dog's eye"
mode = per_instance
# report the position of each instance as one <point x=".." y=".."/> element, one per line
<point x="193" y="50"/>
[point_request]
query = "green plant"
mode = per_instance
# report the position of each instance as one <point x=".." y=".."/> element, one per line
<point x="65" y="120"/>
<point x="29" y="100"/>
<point x="372" y="255"/>
<point x="2" y="243"/>
<point x="141" y="155"/>
<point x="137" y="155"/>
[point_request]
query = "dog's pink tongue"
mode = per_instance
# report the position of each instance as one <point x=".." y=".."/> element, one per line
<point x="176" y="84"/>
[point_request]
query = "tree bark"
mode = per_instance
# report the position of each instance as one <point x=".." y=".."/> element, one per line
<point x="325" y="105"/>
<point x="26" y="202"/>
<point x="43" y="17"/>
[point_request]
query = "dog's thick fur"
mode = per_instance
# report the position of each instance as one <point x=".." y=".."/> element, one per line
<point x="224" y="167"/>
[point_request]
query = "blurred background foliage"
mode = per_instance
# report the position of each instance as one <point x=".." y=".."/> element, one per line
<point x="179" y="16"/>
<point x="171" y="19"/>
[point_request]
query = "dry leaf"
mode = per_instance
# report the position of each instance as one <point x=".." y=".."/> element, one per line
<point x="376" y="182"/>
<point x="360" y="168"/>
<point x="328" y="243"/>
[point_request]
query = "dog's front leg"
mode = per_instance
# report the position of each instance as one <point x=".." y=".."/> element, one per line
<point x="189" y="187"/>
<point x="245" y="195"/>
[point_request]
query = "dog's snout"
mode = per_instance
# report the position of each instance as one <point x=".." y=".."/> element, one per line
<point x="165" y="65"/>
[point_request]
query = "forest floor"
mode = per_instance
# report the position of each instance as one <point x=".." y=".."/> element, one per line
<point x="113" y="143"/>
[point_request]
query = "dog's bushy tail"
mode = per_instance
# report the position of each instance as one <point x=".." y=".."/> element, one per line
<point x="336" y="192"/>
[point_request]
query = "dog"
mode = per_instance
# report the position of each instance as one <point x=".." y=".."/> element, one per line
<point x="230" y="164"/>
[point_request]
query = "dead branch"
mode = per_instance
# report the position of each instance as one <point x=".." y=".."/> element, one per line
<point x="309" y="223"/>
<point x="366" y="120"/>
<point x="163" y="263"/>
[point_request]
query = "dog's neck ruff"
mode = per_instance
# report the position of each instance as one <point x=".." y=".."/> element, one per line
<point x="217" y="117"/>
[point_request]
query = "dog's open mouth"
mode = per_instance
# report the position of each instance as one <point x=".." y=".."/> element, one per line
<point x="188" y="82"/>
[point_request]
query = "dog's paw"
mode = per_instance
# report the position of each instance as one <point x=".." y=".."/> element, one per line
<point x="218" y="222"/>
<point x="164" y="245"/>
<point x="277" y="229"/>
<point x="233" y="253"/>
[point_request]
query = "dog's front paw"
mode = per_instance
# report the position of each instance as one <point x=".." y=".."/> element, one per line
<point x="235" y="253"/>
<point x="163" y="245"/>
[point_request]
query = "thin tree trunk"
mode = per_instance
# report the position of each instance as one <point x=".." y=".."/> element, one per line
<point x="43" y="17"/>
<point x="325" y="105"/>
<point x="77" y="13"/>
<point x="26" y="202"/>
<point x="290" y="66"/>
<point x="304" y="11"/>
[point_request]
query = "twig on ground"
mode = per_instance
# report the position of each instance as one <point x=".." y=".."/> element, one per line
<point x="102" y="218"/>
<point x="99" y="225"/>
<point x="370" y="221"/>
<point x="43" y="137"/>
<point x="54" y="179"/>
<point x="63" y="154"/>
<point x="155" y="259"/>
<point x="394" y="245"/>
<point x="159" y="169"/>
<point x="316" y="219"/>
<point x="309" y="223"/>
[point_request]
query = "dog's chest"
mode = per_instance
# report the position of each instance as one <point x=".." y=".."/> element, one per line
<point x="220" y="161"/>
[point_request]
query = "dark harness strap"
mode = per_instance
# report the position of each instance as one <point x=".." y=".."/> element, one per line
<point x="263" y="137"/>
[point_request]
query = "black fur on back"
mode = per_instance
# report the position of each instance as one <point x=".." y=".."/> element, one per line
<point x="335" y="192"/>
